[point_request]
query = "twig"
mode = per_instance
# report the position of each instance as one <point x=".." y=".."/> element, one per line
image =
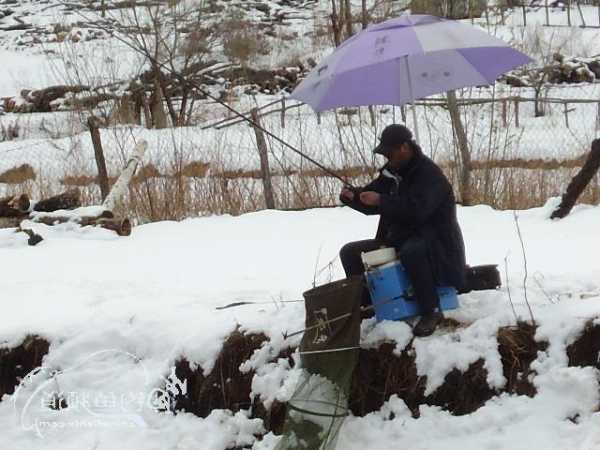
<point x="525" y="266"/>
<point x="539" y="285"/>
<point x="512" y="305"/>
<point x="316" y="266"/>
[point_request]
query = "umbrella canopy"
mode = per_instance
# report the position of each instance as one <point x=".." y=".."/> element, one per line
<point x="403" y="59"/>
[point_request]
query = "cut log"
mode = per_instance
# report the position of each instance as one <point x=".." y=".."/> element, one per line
<point x="67" y="200"/>
<point x="121" y="226"/>
<point x="579" y="182"/>
<point x="14" y="206"/>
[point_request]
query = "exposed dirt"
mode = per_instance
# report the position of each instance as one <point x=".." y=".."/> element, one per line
<point x="16" y="362"/>
<point x="585" y="351"/>
<point x="380" y="373"/>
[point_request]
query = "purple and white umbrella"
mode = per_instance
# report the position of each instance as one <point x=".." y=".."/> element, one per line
<point x="407" y="58"/>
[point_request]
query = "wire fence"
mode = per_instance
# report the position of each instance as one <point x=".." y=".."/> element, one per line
<point x="524" y="149"/>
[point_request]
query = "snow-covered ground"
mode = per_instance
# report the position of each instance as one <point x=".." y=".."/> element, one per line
<point x="119" y="311"/>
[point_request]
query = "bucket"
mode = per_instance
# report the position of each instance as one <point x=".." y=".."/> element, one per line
<point x="393" y="297"/>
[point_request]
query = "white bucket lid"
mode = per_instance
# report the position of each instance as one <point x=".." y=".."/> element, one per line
<point x="379" y="257"/>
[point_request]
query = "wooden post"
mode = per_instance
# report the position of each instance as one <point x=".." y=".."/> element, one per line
<point x="517" y="122"/>
<point x="283" y="113"/>
<point x="524" y="14"/>
<point x="566" y="109"/>
<point x="504" y="113"/>
<point x="547" y="13"/>
<point x="581" y="14"/>
<point x="372" y="115"/>
<point x="319" y="119"/>
<point x="569" y="12"/>
<point x="261" y="144"/>
<point x="463" y="147"/>
<point x="99" y="155"/>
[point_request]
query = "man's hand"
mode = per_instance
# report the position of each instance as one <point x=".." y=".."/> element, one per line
<point x="370" y="198"/>
<point x="347" y="194"/>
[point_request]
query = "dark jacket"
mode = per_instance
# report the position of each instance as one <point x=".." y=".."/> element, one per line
<point x="418" y="201"/>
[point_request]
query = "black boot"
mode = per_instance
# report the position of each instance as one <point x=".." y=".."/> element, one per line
<point x="427" y="324"/>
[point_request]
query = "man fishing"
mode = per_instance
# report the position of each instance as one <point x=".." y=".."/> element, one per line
<point x="417" y="210"/>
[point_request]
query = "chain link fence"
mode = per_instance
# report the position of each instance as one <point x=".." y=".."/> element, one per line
<point x="519" y="158"/>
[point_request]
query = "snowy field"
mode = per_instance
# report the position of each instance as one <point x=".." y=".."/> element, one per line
<point x="120" y="311"/>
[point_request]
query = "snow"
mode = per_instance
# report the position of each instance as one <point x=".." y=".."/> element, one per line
<point x="119" y="311"/>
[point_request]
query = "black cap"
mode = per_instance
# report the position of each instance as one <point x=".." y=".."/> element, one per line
<point x="392" y="137"/>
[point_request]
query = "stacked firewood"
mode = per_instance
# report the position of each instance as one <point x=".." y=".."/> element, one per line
<point x="561" y="70"/>
<point x="62" y="208"/>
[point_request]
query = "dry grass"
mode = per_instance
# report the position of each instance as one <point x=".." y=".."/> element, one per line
<point x="18" y="175"/>
<point x="197" y="189"/>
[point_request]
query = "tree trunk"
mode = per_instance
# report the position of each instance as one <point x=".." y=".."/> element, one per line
<point x="348" y="19"/>
<point x="579" y="182"/>
<point x="365" y="14"/>
<point x="159" y="118"/>
<point x="120" y="186"/>
<point x="335" y="24"/>
<point x="463" y="147"/>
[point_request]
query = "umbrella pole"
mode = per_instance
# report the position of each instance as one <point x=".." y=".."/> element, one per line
<point x="412" y="100"/>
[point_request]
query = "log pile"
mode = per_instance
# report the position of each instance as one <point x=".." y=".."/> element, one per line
<point x="138" y="93"/>
<point x="15" y="211"/>
<point x="562" y="70"/>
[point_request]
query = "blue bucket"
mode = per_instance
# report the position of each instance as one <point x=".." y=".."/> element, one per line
<point x="393" y="297"/>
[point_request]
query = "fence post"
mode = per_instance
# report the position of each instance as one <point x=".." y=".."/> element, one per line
<point x="372" y="115"/>
<point x="99" y="155"/>
<point x="566" y="109"/>
<point x="524" y="14"/>
<point x="569" y="12"/>
<point x="517" y="124"/>
<point x="504" y="114"/>
<point x="283" y="112"/>
<point x="547" y="13"/>
<point x="265" y="172"/>
<point x="583" y="24"/>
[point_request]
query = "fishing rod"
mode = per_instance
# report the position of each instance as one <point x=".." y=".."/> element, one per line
<point x="182" y="79"/>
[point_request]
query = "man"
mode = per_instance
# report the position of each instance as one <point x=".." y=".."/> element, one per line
<point x="417" y="211"/>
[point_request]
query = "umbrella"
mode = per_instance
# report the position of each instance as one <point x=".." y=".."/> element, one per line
<point x="406" y="58"/>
